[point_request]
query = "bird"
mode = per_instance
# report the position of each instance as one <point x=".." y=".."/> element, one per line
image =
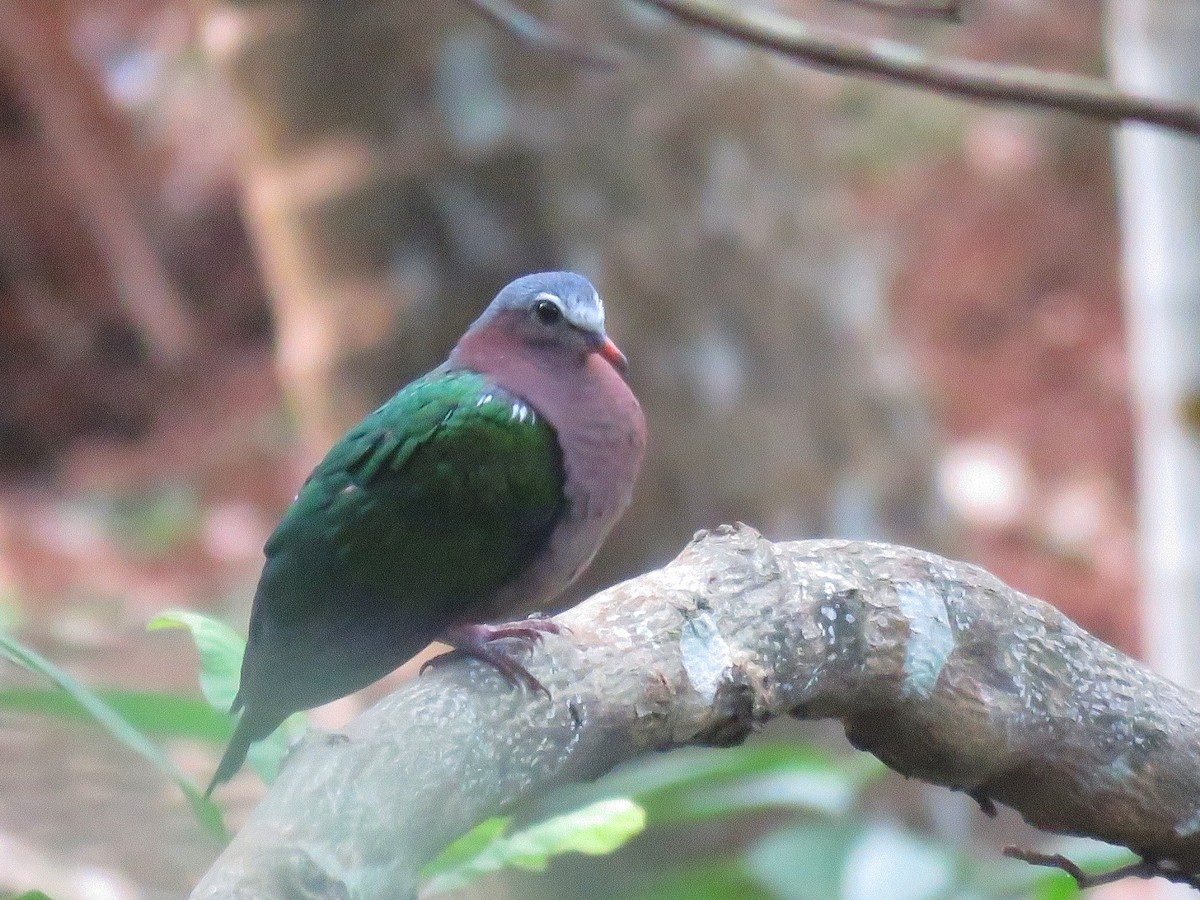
<point x="476" y="494"/>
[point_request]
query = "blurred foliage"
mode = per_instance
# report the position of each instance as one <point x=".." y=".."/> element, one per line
<point x="695" y="784"/>
<point x="206" y="812"/>
<point x="221" y="650"/>
<point x="162" y="715"/>
<point x="827" y="848"/>
<point x="10" y="610"/>
<point x="596" y="830"/>
<point x="155" y="520"/>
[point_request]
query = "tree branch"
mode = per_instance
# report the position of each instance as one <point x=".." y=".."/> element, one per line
<point x="1146" y="868"/>
<point x="969" y="80"/>
<point x="937" y="10"/>
<point x="934" y="666"/>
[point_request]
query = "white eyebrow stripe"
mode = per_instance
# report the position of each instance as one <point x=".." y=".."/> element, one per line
<point x="581" y="316"/>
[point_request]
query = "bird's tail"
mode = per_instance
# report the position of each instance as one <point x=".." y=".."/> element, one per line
<point x="249" y="729"/>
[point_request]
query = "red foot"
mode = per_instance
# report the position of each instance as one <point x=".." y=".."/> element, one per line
<point x="475" y="641"/>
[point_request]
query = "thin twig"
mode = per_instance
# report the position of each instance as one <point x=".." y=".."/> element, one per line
<point x="533" y="32"/>
<point x="1145" y="868"/>
<point x="937" y="10"/>
<point x="967" y="79"/>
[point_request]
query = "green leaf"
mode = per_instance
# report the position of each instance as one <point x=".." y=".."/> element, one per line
<point x="466" y="847"/>
<point x="168" y="715"/>
<point x="697" y="783"/>
<point x="16" y="654"/>
<point x="31" y="895"/>
<point x="205" y="811"/>
<point x="711" y="881"/>
<point x="220" y="648"/>
<point x="818" y="790"/>
<point x="594" y="830"/>
<point x="1055" y="886"/>
<point x="843" y="861"/>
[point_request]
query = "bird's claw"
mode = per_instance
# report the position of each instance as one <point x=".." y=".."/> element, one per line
<point x="532" y="631"/>
<point x="475" y="641"/>
<point x="545" y="623"/>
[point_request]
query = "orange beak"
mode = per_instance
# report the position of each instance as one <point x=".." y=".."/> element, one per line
<point x="613" y="354"/>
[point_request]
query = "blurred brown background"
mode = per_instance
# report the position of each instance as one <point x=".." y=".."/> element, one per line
<point x="227" y="231"/>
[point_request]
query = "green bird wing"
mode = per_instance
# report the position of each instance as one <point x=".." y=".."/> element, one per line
<point x="433" y="502"/>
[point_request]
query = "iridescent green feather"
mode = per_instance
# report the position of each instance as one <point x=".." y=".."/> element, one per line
<point x="433" y="502"/>
<point x="437" y="499"/>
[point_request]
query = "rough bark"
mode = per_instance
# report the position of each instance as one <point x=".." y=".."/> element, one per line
<point x="934" y="666"/>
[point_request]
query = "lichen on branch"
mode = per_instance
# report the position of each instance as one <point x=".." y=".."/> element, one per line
<point x="935" y="666"/>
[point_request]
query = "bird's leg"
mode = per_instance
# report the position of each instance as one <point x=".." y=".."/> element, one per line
<point x="476" y="641"/>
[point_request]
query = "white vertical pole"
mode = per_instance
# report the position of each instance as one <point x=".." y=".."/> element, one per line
<point x="1154" y="48"/>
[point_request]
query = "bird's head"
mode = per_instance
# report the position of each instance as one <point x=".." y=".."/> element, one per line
<point x="559" y="313"/>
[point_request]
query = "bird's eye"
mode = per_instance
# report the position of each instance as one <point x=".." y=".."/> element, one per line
<point x="547" y="312"/>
